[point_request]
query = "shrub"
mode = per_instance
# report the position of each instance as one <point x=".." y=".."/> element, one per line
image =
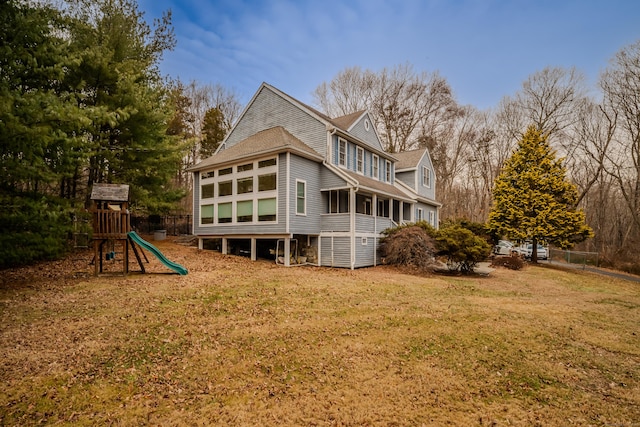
<point x="408" y="246"/>
<point x="513" y="262"/>
<point x="461" y="247"/>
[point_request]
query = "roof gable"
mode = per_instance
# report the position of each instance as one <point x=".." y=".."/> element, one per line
<point x="409" y="159"/>
<point x="346" y="122"/>
<point x="272" y="140"/>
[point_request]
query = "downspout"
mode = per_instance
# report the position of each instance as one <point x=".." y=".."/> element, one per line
<point x="352" y="225"/>
<point x="287" y="195"/>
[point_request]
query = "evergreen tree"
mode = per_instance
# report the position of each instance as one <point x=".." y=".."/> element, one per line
<point x="213" y="132"/>
<point x="39" y="132"/>
<point x="120" y="85"/>
<point x="532" y="199"/>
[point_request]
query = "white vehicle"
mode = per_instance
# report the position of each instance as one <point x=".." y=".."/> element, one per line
<point x="503" y="247"/>
<point x="542" y="252"/>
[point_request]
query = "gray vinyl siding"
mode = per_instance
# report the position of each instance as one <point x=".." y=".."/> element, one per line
<point x="331" y="180"/>
<point x="428" y="192"/>
<point x="368" y="136"/>
<point x="308" y="171"/>
<point x="372" y="224"/>
<point x="365" y="254"/>
<point x="365" y="223"/>
<point x="336" y="251"/>
<point x="336" y="222"/>
<point x="269" y="110"/>
<point x="408" y="178"/>
<point x="326" y="254"/>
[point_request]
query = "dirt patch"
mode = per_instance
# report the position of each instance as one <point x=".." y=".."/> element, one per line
<point x="237" y="342"/>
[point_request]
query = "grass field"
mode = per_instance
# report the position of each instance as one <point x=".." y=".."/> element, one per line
<point x="237" y="342"/>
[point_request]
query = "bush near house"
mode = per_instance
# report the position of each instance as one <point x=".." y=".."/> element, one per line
<point x="463" y="249"/>
<point x="407" y="245"/>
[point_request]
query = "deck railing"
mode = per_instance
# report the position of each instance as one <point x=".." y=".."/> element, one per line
<point x="110" y="224"/>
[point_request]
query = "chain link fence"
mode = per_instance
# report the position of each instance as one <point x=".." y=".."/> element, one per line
<point x="574" y="257"/>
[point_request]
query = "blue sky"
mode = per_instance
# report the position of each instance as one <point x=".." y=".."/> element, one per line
<point x="484" y="48"/>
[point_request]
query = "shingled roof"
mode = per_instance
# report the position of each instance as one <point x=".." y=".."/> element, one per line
<point x="272" y="140"/>
<point x="377" y="186"/>
<point x="345" y="122"/>
<point x="409" y="159"/>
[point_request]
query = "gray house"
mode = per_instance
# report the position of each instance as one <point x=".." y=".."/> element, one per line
<point x="292" y="184"/>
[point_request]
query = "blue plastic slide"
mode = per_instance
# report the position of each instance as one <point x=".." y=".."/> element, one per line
<point x="149" y="247"/>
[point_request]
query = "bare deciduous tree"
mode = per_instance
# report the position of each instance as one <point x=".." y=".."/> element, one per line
<point x="621" y="85"/>
<point x="402" y="102"/>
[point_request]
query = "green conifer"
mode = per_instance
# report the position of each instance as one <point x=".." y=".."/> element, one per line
<point x="533" y="200"/>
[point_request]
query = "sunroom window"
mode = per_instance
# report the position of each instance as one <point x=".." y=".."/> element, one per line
<point x="206" y="214"/>
<point x="267" y="209"/>
<point x="224" y="212"/>
<point x="245" y="211"/>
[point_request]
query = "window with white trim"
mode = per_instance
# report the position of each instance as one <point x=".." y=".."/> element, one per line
<point x="207" y="191"/>
<point x="225" y="213"/>
<point x="426" y="177"/>
<point x="432" y="218"/>
<point x="301" y="197"/>
<point x="244" y="211"/>
<point x="419" y="214"/>
<point x="338" y="201"/>
<point x="359" y="159"/>
<point x="388" y="170"/>
<point x="225" y="188"/>
<point x="267" y="182"/>
<point x="267" y="209"/>
<point x="206" y="214"/>
<point x="236" y="198"/>
<point x="342" y="152"/>
<point x="375" y="165"/>
<point x="245" y="185"/>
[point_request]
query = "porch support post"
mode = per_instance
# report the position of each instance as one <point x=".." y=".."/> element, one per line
<point x="200" y="243"/>
<point x="352" y="215"/>
<point x="224" y="246"/>
<point x="287" y="251"/>
<point x="253" y="249"/>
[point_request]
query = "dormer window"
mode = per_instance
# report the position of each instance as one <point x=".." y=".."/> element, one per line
<point x="342" y="152"/>
<point x="426" y="177"/>
<point x="360" y="159"/>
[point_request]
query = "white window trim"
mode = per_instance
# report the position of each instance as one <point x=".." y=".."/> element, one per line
<point x="234" y="197"/>
<point x="360" y="160"/>
<point x="305" y="197"/>
<point x="426" y="177"/>
<point x="432" y="218"/>
<point x="387" y="171"/>
<point x="420" y="215"/>
<point x="346" y="152"/>
<point x="375" y="167"/>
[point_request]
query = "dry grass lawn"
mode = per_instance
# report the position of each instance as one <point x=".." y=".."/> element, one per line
<point x="249" y="343"/>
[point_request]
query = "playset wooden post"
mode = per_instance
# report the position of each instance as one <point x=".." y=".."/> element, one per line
<point x="111" y="223"/>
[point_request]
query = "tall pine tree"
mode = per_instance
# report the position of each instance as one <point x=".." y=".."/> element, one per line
<point x="533" y="200"/>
